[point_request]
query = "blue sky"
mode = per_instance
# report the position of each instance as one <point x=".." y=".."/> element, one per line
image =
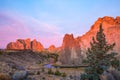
<point x="49" y="20"/>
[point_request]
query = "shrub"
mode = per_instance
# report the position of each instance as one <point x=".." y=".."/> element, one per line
<point x="1" y="53"/>
<point x="71" y="77"/>
<point x="90" y="77"/>
<point x="20" y="75"/>
<point x="64" y="74"/>
<point x="38" y="73"/>
<point x="57" y="72"/>
<point x="43" y="78"/>
<point x="43" y="70"/>
<point x="50" y="71"/>
<point x="4" y="77"/>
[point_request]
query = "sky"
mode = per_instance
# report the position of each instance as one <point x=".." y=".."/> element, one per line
<point x="49" y="20"/>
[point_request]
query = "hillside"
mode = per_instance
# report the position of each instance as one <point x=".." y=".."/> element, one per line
<point x="20" y="60"/>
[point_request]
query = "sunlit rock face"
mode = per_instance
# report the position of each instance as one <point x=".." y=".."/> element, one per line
<point x="52" y="48"/>
<point x="25" y="44"/>
<point x="36" y="46"/>
<point x="74" y="48"/>
<point x="111" y="28"/>
<point x="70" y="53"/>
<point x="15" y="45"/>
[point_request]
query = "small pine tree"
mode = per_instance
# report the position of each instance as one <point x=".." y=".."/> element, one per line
<point x="98" y="59"/>
<point x="64" y="74"/>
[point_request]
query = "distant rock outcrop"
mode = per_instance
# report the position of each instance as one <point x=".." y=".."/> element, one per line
<point x="15" y="45"/>
<point x="52" y="48"/>
<point x="36" y="46"/>
<point x="26" y="44"/>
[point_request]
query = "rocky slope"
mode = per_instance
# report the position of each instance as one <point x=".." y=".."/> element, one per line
<point x="14" y="62"/>
<point x="25" y="44"/>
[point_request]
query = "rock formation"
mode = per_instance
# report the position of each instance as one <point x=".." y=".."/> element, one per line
<point x="26" y="44"/>
<point x="71" y="46"/>
<point x="36" y="46"/>
<point x="15" y="45"/>
<point x="70" y="52"/>
<point x="111" y="28"/>
<point x="52" y="48"/>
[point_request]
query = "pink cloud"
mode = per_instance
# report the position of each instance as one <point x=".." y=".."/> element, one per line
<point x="13" y="28"/>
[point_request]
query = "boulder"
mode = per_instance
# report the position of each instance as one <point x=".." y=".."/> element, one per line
<point x="20" y="75"/>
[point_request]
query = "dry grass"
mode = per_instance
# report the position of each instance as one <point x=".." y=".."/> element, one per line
<point x="4" y="76"/>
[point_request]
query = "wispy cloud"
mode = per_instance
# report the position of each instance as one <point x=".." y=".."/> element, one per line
<point x="13" y="27"/>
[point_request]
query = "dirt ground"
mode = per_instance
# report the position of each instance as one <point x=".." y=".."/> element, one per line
<point x="12" y="62"/>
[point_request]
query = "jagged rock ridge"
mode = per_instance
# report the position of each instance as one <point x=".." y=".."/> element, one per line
<point x="73" y="48"/>
<point x="111" y="28"/>
<point x="25" y="44"/>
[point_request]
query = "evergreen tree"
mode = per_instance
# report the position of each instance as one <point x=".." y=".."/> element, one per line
<point x="98" y="59"/>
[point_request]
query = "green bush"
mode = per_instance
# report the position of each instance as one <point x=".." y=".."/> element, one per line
<point x="1" y="53"/>
<point x="43" y="70"/>
<point x="38" y="73"/>
<point x="89" y="77"/>
<point x="64" y="74"/>
<point x="57" y="72"/>
<point x="50" y="71"/>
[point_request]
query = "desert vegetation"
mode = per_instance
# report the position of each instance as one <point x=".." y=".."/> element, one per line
<point x="99" y="58"/>
<point x="4" y="76"/>
<point x="1" y="52"/>
<point x="21" y="64"/>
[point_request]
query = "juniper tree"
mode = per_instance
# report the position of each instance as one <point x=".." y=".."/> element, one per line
<point x="98" y="57"/>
